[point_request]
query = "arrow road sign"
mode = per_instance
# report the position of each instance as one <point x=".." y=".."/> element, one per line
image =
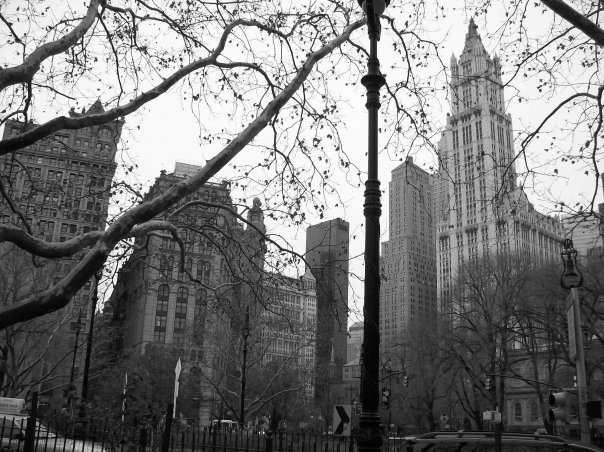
<point x="341" y="419"/>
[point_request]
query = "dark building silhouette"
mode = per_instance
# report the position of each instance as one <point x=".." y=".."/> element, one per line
<point x="327" y="256"/>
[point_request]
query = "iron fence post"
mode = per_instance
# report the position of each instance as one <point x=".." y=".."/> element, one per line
<point x="30" y="431"/>
<point x="165" y="447"/>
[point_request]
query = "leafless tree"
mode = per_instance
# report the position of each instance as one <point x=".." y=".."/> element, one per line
<point x="259" y="78"/>
<point x="550" y="51"/>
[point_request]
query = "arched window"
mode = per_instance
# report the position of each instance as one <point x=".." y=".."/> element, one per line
<point x="199" y="269"/>
<point x="518" y="412"/>
<point x="207" y="272"/>
<point x="189" y="265"/>
<point x="204" y="271"/>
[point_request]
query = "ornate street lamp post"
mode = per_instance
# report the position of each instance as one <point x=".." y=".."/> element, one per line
<point x="369" y="438"/>
<point x="71" y="392"/>
<point x="245" y="332"/>
<point x="94" y="300"/>
<point x="572" y="279"/>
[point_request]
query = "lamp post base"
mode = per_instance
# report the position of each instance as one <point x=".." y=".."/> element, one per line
<point x="369" y="435"/>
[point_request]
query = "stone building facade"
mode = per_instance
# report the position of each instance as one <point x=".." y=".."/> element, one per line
<point x="158" y="300"/>
<point x="193" y="296"/>
<point x="61" y="187"/>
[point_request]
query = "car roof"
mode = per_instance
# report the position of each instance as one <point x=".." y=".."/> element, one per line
<point x="12" y="417"/>
<point x="488" y="436"/>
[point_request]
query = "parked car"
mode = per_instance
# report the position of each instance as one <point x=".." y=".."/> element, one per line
<point x="485" y="441"/>
<point x="13" y="431"/>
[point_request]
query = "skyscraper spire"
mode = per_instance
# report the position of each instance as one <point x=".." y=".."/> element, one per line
<point x="472" y="27"/>
<point x="477" y="196"/>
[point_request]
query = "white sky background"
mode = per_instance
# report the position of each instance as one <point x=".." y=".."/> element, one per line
<point x="166" y="130"/>
<point x="169" y="133"/>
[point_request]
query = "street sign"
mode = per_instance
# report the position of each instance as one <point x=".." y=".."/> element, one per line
<point x="341" y="419"/>
<point x="177" y="373"/>
<point x="491" y="416"/>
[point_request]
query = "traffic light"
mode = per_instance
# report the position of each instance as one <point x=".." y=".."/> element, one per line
<point x="406" y="381"/>
<point x="488" y="384"/>
<point x="386" y="397"/>
<point x="559" y="403"/>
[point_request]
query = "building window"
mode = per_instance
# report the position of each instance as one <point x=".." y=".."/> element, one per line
<point x="180" y="315"/>
<point x="159" y="336"/>
<point x="163" y="296"/>
<point x="518" y="412"/>
<point x="105" y="134"/>
<point x="181" y="302"/>
<point x="534" y="411"/>
<point x="161" y="313"/>
<point x="204" y="271"/>
<point x="199" y="318"/>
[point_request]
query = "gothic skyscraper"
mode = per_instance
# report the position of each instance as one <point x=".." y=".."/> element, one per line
<point x="479" y="208"/>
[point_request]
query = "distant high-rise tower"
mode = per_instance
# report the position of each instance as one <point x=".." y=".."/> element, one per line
<point x="355" y="341"/>
<point x="408" y="290"/>
<point x="327" y="256"/>
<point x="478" y="207"/>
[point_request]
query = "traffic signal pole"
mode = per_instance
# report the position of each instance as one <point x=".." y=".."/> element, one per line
<point x="573" y="279"/>
<point x="580" y="368"/>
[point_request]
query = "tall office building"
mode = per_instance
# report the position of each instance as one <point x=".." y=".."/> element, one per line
<point x="327" y="257"/>
<point x="61" y="187"/>
<point x="479" y="208"/>
<point x="408" y="289"/>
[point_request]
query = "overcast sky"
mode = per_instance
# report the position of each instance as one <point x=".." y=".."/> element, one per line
<point x="167" y="130"/>
<point x="164" y="139"/>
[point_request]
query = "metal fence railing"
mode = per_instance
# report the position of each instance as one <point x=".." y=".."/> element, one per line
<point x="27" y="433"/>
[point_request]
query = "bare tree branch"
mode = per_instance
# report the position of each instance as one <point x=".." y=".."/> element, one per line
<point x="24" y="72"/>
<point x="566" y="11"/>
<point x="60" y="294"/>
